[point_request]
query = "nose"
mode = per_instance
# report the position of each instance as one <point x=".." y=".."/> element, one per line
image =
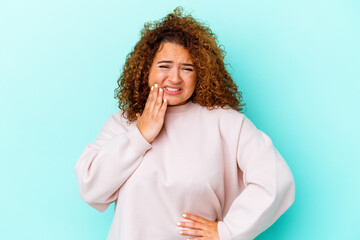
<point x="174" y="76"/>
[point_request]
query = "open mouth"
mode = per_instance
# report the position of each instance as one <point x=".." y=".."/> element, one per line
<point x="173" y="89"/>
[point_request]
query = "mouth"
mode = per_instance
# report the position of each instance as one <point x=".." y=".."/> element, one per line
<point x="172" y="90"/>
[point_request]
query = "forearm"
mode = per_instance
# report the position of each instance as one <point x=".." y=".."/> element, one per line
<point x="102" y="171"/>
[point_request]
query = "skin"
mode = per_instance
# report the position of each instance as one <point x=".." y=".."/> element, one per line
<point x="172" y="66"/>
<point x="200" y="227"/>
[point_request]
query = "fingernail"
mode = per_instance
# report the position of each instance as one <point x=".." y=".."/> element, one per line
<point x="152" y="88"/>
<point x="165" y="99"/>
<point x="184" y="215"/>
<point x="156" y="85"/>
<point x="178" y="223"/>
<point x="181" y="232"/>
<point x="160" y="89"/>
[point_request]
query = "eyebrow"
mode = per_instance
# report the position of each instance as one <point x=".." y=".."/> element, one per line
<point x="166" y="61"/>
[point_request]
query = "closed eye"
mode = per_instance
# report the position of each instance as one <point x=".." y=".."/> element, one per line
<point x="188" y="69"/>
<point x="163" y="66"/>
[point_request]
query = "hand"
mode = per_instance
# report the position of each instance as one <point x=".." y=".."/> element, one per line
<point x="152" y="118"/>
<point x="203" y="228"/>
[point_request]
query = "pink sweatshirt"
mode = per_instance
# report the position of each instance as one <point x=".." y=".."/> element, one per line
<point x="211" y="163"/>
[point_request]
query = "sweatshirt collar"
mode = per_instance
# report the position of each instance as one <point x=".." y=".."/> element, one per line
<point x="180" y="108"/>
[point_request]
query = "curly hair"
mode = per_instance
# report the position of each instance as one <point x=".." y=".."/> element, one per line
<point x="214" y="85"/>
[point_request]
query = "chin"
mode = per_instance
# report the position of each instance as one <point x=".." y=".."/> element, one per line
<point x="172" y="103"/>
<point x="175" y="103"/>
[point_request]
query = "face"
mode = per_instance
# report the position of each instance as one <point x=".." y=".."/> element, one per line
<point x="173" y="70"/>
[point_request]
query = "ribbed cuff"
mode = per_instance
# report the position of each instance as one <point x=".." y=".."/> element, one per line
<point x="138" y="142"/>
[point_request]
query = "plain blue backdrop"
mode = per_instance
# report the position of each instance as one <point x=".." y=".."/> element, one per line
<point x="296" y="62"/>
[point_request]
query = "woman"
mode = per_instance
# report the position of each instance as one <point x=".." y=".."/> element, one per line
<point x="179" y="160"/>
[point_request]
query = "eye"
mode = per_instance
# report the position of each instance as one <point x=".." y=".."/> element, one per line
<point x="188" y="69"/>
<point x="163" y="66"/>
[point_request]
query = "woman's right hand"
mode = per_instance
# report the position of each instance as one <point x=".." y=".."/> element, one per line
<point x="152" y="118"/>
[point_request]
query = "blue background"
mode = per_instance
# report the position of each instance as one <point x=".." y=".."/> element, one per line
<point x="296" y="62"/>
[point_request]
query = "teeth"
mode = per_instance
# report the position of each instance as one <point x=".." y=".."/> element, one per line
<point x="173" y="89"/>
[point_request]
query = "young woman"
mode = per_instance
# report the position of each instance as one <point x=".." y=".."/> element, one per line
<point x="179" y="159"/>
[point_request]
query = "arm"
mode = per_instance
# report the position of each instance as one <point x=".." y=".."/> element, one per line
<point x="108" y="162"/>
<point x="269" y="187"/>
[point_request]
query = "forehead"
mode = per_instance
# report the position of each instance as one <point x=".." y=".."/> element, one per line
<point x="173" y="52"/>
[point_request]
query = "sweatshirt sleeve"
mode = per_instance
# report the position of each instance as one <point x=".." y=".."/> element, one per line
<point x="108" y="162"/>
<point x="269" y="187"/>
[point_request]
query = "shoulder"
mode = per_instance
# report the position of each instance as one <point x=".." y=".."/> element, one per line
<point x="228" y="119"/>
<point x="118" y="120"/>
<point x="224" y="114"/>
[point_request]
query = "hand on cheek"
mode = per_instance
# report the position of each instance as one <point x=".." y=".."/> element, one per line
<point x="152" y="118"/>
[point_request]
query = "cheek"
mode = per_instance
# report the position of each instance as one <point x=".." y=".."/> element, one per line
<point x="193" y="82"/>
<point x="156" y="77"/>
<point x="189" y="79"/>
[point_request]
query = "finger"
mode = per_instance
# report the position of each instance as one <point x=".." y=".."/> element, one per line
<point x="159" y="101"/>
<point x="148" y="100"/>
<point x="163" y="108"/>
<point x="198" y="233"/>
<point x="153" y="97"/>
<point x="194" y="218"/>
<point x="193" y="225"/>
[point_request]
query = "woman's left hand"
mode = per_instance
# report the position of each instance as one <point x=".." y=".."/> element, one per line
<point x="202" y="228"/>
